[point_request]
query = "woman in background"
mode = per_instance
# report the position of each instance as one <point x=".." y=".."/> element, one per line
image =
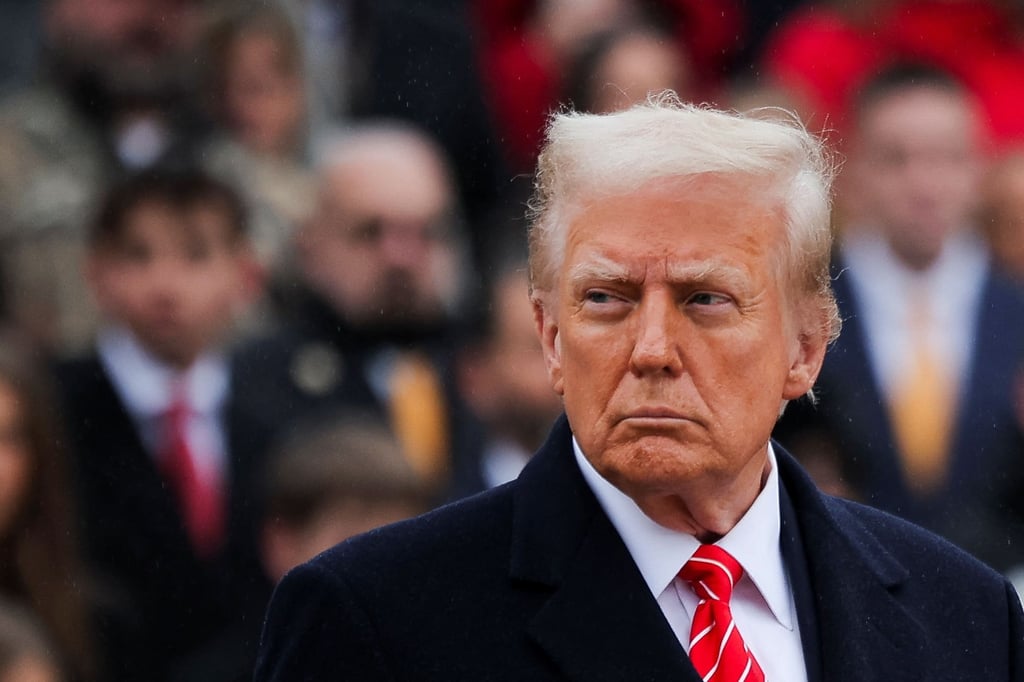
<point x="39" y="567"/>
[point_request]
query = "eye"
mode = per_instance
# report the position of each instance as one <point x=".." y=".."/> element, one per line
<point x="707" y="298"/>
<point x="598" y="297"/>
<point x="197" y="251"/>
<point x="367" y="232"/>
<point x="136" y="252"/>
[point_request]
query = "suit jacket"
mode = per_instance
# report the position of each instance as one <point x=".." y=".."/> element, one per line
<point x="530" y="581"/>
<point x="980" y="505"/>
<point x="135" y="538"/>
<point x="315" y="367"/>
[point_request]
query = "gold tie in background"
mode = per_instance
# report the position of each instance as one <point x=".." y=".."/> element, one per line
<point x="923" y="405"/>
<point x="418" y="414"/>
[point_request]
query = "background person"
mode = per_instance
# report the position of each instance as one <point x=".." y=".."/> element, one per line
<point x="42" y="575"/>
<point x="370" y="322"/>
<point x="917" y="399"/>
<point x="26" y="655"/>
<point x="336" y="479"/>
<point x="165" y="452"/>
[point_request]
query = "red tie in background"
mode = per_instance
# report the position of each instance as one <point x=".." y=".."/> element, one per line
<point x="717" y="650"/>
<point x="199" y="500"/>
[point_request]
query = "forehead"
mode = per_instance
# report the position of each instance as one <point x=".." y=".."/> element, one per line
<point x="917" y="116"/>
<point x="157" y="219"/>
<point x="706" y="220"/>
<point x="400" y="183"/>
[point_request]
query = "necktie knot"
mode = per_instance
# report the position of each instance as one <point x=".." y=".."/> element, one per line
<point x="179" y="409"/>
<point x="712" y="573"/>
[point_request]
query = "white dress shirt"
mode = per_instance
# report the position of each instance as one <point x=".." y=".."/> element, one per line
<point x="885" y="289"/>
<point x="145" y="386"/>
<point x="762" y="602"/>
<point x="502" y="461"/>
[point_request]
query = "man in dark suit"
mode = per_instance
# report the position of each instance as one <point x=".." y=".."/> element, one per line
<point x="917" y="399"/>
<point x="679" y="272"/>
<point x="164" y="450"/>
<point x="371" y="322"/>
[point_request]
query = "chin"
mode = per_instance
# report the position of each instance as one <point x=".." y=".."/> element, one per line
<point x="652" y="462"/>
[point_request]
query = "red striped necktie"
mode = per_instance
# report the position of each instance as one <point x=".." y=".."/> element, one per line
<point x="717" y="650"/>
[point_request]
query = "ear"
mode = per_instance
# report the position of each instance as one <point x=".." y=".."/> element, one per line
<point x="547" y="329"/>
<point x="93" y="273"/>
<point x="473" y="378"/>
<point x="279" y="548"/>
<point x="252" y="277"/>
<point x="805" y="362"/>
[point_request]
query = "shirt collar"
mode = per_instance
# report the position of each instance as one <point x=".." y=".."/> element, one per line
<point x="660" y="552"/>
<point x="145" y="384"/>
<point x="876" y="267"/>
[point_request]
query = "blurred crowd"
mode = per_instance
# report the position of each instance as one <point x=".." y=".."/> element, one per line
<point x="263" y="280"/>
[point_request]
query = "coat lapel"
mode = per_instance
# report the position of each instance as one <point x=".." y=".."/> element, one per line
<point x="865" y="632"/>
<point x="600" y="621"/>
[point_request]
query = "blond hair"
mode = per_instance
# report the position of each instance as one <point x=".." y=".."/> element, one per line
<point x="590" y="156"/>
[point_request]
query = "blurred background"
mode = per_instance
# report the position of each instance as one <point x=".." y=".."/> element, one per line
<point x="263" y="280"/>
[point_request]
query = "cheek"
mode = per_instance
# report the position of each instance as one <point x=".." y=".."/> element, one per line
<point x="213" y="304"/>
<point x="591" y="370"/>
<point x="14" y="484"/>
<point x="741" y="368"/>
<point x="121" y="292"/>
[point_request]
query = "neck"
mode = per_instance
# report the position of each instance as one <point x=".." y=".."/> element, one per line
<point x="708" y="512"/>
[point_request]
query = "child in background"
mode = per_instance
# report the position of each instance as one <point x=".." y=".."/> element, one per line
<point x="335" y="479"/>
<point x="162" y="446"/>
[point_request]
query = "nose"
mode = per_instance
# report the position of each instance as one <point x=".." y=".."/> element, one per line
<point x="402" y="247"/>
<point x="658" y="336"/>
<point x="165" y="281"/>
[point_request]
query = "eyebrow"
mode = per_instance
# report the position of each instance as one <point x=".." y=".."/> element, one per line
<point x="602" y="269"/>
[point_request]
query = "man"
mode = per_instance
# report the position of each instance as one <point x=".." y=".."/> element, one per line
<point x="917" y="397"/>
<point x="380" y="271"/>
<point x="502" y="378"/>
<point x="680" y="281"/>
<point x="114" y="94"/>
<point x="165" y="454"/>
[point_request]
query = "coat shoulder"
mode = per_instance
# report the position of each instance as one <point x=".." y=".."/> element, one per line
<point x="896" y="541"/>
<point x="466" y="533"/>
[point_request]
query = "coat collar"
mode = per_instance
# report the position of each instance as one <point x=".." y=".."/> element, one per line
<point x="600" y="621"/>
<point x="865" y="632"/>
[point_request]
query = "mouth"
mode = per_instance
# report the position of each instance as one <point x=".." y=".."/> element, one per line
<point x="656" y="413"/>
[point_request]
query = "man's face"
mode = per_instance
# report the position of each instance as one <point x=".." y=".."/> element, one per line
<point x="378" y="245"/>
<point x="132" y="45"/>
<point x="506" y="383"/>
<point x="916" y="169"/>
<point x="670" y="339"/>
<point x="175" y="279"/>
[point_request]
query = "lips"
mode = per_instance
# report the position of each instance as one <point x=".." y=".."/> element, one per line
<point x="655" y="412"/>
